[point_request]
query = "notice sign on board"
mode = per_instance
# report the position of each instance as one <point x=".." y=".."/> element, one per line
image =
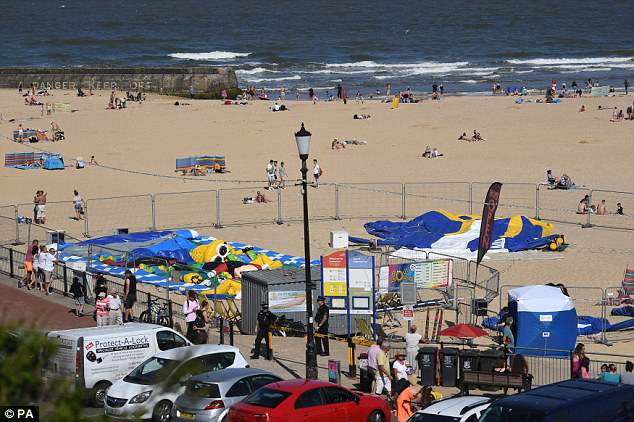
<point x="408" y="312"/>
<point x="334" y="274"/>
<point x="435" y="274"/>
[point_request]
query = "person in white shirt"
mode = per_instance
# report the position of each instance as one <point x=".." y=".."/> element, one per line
<point x="400" y="367"/>
<point x="412" y="341"/>
<point x="627" y="377"/>
<point x="270" y="174"/>
<point x="46" y="261"/>
<point x="316" y="173"/>
<point x="114" y="313"/>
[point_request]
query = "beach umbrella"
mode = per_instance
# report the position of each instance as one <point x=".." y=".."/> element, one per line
<point x="464" y="331"/>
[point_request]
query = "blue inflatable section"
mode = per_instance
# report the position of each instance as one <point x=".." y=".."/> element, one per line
<point x="623" y="311"/>
<point x="586" y="325"/>
<point x="443" y="230"/>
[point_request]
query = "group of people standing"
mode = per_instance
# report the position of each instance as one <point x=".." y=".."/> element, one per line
<point x="609" y="372"/>
<point x="276" y="176"/>
<point x="39" y="264"/>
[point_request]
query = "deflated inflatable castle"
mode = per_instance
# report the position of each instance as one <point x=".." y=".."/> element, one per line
<point x="179" y="260"/>
<point x="459" y="234"/>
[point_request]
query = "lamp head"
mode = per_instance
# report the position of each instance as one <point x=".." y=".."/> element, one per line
<point x="302" y="137"/>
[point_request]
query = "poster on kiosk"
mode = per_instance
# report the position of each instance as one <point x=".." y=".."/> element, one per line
<point x="348" y="283"/>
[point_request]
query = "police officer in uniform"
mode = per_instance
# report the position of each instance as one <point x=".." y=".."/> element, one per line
<point x="321" y="325"/>
<point x="265" y="319"/>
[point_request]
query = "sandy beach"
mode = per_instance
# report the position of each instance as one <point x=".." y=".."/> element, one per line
<point x="522" y="142"/>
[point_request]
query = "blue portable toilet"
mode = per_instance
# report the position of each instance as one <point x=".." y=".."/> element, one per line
<point x="545" y="321"/>
<point x="53" y="162"/>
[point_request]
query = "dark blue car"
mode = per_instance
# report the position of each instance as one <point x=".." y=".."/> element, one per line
<point x="574" y="400"/>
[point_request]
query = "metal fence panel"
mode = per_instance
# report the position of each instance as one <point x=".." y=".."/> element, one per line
<point x="234" y="210"/>
<point x="185" y="209"/>
<point x="370" y="200"/>
<point x="134" y="212"/>
<point x="322" y="202"/>
<point x="422" y="197"/>
<point x="516" y="198"/>
<point x="8" y="230"/>
<point x="561" y="205"/>
<point x="60" y="215"/>
<point x="612" y="219"/>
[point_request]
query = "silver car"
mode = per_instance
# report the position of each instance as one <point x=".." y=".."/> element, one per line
<point x="208" y="396"/>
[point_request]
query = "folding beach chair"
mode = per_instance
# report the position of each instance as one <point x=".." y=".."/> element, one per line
<point x="627" y="287"/>
<point x="364" y="328"/>
<point x="384" y="303"/>
<point x="390" y="338"/>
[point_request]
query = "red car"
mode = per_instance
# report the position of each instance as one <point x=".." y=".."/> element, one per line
<point x="309" y="401"/>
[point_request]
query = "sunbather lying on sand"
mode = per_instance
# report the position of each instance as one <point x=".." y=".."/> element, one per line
<point x="361" y="116"/>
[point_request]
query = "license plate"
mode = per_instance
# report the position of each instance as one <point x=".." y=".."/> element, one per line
<point x="114" y="412"/>
<point x="186" y="415"/>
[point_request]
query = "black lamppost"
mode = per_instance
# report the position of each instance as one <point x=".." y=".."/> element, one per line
<point x="303" y="147"/>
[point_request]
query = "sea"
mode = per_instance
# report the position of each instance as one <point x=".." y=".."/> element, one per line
<point x="363" y="45"/>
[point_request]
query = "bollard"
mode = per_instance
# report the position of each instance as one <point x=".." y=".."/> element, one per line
<point x="269" y="343"/>
<point x="171" y="313"/>
<point x="352" y="366"/>
<point x="221" y="339"/>
<point x="65" y="280"/>
<point x="231" y="333"/>
<point x="11" y="269"/>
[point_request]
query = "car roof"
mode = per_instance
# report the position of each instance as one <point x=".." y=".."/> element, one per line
<point x="299" y="385"/>
<point x="455" y="406"/>
<point x="554" y="396"/>
<point x="181" y="353"/>
<point x="129" y="327"/>
<point x="229" y="375"/>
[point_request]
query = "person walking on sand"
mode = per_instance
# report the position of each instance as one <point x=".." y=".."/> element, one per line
<point x="40" y="207"/>
<point x="78" y="205"/>
<point x="270" y="175"/>
<point x="626" y="84"/>
<point x="317" y="172"/>
<point x="283" y="176"/>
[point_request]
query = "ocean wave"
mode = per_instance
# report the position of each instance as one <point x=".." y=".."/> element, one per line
<point x="587" y="69"/>
<point x="317" y="88"/>
<point x="420" y="65"/>
<point x="212" y="55"/>
<point x="254" y="71"/>
<point x="481" y="73"/>
<point x="286" y="78"/>
<point x="584" y="60"/>
<point x="523" y="71"/>
<point x="335" y="80"/>
<point x="468" y="81"/>
<point x="333" y="72"/>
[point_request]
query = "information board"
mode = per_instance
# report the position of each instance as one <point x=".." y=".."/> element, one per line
<point x="434" y="274"/>
<point x="360" y="283"/>
<point x="334" y="274"/>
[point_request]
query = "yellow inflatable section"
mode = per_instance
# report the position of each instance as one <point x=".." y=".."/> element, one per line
<point x="227" y="287"/>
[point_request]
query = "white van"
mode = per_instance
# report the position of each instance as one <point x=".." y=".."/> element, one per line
<point x="98" y="356"/>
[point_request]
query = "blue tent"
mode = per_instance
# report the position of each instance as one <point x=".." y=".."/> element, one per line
<point x="53" y="162"/>
<point x="545" y="321"/>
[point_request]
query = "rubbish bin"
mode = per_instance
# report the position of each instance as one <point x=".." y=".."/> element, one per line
<point x="489" y="359"/>
<point x="365" y="380"/>
<point x="426" y="358"/>
<point x="469" y="360"/>
<point x="449" y="366"/>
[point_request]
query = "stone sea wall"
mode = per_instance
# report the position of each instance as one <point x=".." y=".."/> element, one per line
<point x="207" y="81"/>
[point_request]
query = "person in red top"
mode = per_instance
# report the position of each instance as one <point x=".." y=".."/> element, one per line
<point x="403" y="402"/>
<point x="102" y="310"/>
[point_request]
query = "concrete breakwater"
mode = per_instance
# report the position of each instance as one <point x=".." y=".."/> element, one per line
<point x="206" y="81"/>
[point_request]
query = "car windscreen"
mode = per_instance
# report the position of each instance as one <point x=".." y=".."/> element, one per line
<point x="425" y="417"/>
<point x="267" y="397"/>
<point x="202" y="389"/>
<point x="510" y="413"/>
<point x="152" y="371"/>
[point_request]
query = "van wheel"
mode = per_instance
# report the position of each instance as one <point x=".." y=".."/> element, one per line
<point x="162" y="412"/>
<point x="99" y="393"/>
<point x="376" y="416"/>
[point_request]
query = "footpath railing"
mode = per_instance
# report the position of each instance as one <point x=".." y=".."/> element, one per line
<point x="235" y="206"/>
<point x="12" y="265"/>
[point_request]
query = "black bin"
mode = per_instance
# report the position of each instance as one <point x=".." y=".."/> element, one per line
<point x="365" y="380"/>
<point x="426" y="358"/>
<point x="449" y="366"/>
<point x="469" y="360"/>
<point x="489" y="359"/>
